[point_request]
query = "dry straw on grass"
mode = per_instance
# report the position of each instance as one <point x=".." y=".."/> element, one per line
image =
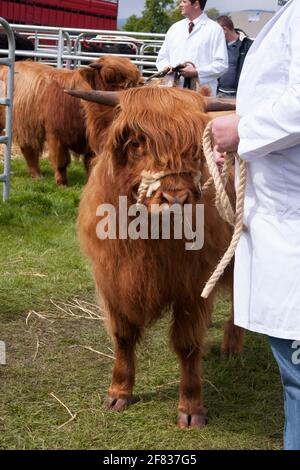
<point x="79" y="309"/>
<point x="93" y="350"/>
<point x="73" y="416"/>
<point x="74" y="309"/>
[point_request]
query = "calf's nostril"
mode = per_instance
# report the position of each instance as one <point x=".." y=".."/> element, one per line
<point x="182" y="198"/>
<point x="168" y="198"/>
<point x="179" y="198"/>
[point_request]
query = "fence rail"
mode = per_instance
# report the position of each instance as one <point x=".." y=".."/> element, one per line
<point x="63" y="47"/>
<point x="6" y="99"/>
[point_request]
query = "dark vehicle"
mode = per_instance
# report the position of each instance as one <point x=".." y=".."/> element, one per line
<point x="22" y="43"/>
<point x="102" y="44"/>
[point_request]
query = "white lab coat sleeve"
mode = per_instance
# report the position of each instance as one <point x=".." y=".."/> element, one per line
<point x="275" y="125"/>
<point x="219" y="63"/>
<point x="163" y="58"/>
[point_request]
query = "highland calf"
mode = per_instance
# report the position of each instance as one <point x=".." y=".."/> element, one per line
<point x="44" y="113"/>
<point x="157" y="130"/>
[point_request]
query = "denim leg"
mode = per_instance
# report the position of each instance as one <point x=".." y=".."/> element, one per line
<point x="287" y="355"/>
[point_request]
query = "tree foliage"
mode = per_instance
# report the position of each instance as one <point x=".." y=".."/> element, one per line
<point x="158" y="16"/>
<point x="212" y="13"/>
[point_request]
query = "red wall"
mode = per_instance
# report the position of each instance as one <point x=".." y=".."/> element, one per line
<point x="85" y="14"/>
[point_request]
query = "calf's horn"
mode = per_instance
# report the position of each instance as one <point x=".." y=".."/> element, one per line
<point x="109" y="98"/>
<point x="219" y="104"/>
<point x="95" y="65"/>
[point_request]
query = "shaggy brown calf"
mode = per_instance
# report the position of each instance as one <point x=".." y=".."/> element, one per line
<point x="44" y="113"/>
<point x="156" y="130"/>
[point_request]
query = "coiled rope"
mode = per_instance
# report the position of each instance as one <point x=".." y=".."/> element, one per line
<point x="223" y="204"/>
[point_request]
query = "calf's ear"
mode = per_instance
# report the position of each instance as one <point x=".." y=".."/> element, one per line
<point x="85" y="75"/>
<point x="108" y="98"/>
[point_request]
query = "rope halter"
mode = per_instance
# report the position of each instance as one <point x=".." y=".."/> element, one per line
<point x="152" y="181"/>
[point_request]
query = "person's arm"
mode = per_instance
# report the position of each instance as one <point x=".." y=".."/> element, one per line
<point x="275" y="125"/>
<point x="163" y="58"/>
<point x="219" y="63"/>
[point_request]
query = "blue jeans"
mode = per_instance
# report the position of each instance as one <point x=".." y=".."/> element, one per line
<point x="287" y="355"/>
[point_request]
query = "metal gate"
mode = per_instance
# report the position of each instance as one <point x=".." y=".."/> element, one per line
<point x="6" y="99"/>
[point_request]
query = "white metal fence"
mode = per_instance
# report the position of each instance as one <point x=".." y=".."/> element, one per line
<point x="6" y="99"/>
<point x="63" y="47"/>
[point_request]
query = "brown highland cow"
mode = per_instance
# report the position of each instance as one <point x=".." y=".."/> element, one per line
<point x="44" y="113"/>
<point x="155" y="130"/>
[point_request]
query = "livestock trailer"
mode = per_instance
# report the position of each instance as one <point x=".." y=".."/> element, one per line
<point x="85" y="14"/>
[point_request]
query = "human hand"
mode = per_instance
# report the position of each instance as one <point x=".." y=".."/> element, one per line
<point x="219" y="158"/>
<point x="189" y="71"/>
<point x="225" y="133"/>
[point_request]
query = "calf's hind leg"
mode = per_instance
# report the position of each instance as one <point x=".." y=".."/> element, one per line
<point x="32" y="158"/>
<point x="125" y="336"/>
<point x="60" y="158"/>
<point x="233" y="339"/>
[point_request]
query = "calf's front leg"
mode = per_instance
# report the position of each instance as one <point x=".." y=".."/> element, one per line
<point x="125" y="336"/>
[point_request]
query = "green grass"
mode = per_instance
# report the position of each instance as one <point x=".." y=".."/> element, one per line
<point x="41" y="263"/>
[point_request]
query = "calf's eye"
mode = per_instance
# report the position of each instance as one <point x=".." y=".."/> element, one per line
<point x="135" y="144"/>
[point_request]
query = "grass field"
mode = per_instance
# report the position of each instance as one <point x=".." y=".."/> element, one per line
<point x="58" y="349"/>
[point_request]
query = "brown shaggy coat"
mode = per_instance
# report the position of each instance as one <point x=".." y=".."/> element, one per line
<point x="155" y="129"/>
<point x="43" y="112"/>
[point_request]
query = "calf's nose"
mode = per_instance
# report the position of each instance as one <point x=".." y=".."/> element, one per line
<point x="179" y="198"/>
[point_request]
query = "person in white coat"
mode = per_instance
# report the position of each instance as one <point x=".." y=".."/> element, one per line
<point x="266" y="133"/>
<point x="198" y="40"/>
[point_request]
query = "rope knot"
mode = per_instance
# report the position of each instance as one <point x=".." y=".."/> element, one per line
<point x="152" y="181"/>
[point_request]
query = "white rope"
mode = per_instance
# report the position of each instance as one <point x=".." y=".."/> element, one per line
<point x="224" y="206"/>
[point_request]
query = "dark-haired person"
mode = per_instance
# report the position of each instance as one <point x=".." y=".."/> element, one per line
<point x="196" y="39"/>
<point x="266" y="133"/>
<point x="237" y="48"/>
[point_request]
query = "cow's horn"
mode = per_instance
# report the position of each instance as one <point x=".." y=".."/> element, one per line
<point x="109" y="98"/>
<point x="219" y="104"/>
<point x="95" y="65"/>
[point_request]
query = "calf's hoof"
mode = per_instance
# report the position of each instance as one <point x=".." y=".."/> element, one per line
<point x="230" y="350"/>
<point x="36" y="175"/>
<point x="118" y="404"/>
<point x="192" y="421"/>
<point x="62" y="183"/>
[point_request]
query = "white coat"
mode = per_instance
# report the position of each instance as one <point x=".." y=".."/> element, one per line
<point x="267" y="267"/>
<point x="205" y="47"/>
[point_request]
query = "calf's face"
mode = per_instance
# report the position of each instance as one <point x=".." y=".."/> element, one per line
<point x="158" y="132"/>
<point x="112" y="73"/>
